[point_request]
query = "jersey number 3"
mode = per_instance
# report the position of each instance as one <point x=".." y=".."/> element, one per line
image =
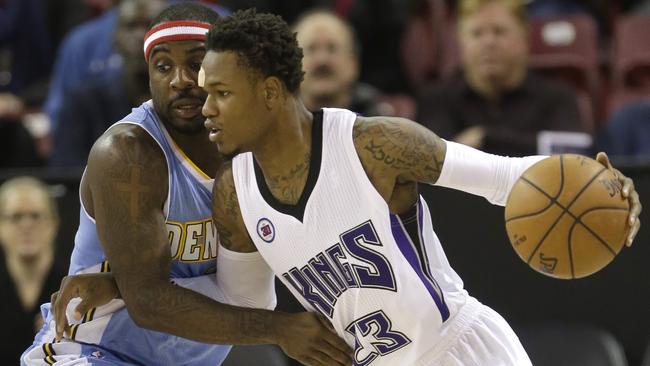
<point x="374" y="337"/>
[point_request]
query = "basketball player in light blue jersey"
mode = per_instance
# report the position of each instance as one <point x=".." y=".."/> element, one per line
<point x="329" y="199"/>
<point x="146" y="217"/>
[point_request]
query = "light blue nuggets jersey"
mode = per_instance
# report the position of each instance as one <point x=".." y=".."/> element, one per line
<point x="109" y="331"/>
<point x="192" y="236"/>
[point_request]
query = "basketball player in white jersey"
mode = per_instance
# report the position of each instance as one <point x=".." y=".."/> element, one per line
<point x="146" y="217"/>
<point x="329" y="200"/>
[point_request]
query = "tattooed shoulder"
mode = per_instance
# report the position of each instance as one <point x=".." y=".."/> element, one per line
<point x="400" y="146"/>
<point x="127" y="163"/>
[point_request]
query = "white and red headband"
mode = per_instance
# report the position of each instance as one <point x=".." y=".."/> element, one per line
<point x="177" y="30"/>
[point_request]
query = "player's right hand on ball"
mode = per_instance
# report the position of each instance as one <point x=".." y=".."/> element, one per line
<point x="310" y="339"/>
<point x="94" y="289"/>
<point x="628" y="191"/>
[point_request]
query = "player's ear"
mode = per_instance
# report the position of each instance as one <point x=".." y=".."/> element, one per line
<point x="272" y="91"/>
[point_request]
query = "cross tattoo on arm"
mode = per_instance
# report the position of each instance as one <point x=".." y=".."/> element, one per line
<point x="134" y="188"/>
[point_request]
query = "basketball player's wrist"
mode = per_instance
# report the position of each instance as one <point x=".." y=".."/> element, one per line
<point x="486" y="175"/>
<point x="278" y="324"/>
<point x="257" y="326"/>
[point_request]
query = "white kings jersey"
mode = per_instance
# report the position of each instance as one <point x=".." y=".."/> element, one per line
<point x="382" y="280"/>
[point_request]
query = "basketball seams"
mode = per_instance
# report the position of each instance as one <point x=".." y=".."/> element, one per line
<point x="551" y="198"/>
<point x="552" y="201"/>
<point x="578" y="220"/>
<point x="549" y="205"/>
<point x="565" y="210"/>
<point x="569" y="246"/>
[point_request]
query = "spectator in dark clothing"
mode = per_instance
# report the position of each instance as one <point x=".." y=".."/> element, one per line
<point x="29" y="274"/>
<point x="495" y="104"/>
<point x="86" y="52"/>
<point x="507" y="126"/>
<point x="331" y="65"/>
<point x="90" y="108"/>
<point x="86" y="113"/>
<point x="628" y="132"/>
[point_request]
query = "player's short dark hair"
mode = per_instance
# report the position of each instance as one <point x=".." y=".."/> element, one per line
<point x="263" y="42"/>
<point x="186" y="10"/>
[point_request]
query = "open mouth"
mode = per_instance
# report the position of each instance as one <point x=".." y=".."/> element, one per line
<point x="187" y="108"/>
<point x="213" y="129"/>
<point x="214" y="134"/>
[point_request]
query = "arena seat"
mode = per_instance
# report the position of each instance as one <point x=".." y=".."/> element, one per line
<point x="420" y="46"/>
<point x="566" y="48"/>
<point x="631" y="54"/>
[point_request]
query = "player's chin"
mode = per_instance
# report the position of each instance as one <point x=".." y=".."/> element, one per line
<point x="227" y="151"/>
<point x="190" y="126"/>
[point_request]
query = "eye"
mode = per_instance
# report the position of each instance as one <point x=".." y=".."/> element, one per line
<point x="162" y="67"/>
<point x="223" y="93"/>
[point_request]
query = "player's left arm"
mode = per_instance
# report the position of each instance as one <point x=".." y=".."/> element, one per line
<point x="396" y="151"/>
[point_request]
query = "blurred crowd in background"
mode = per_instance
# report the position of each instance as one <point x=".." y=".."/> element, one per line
<point x="514" y="77"/>
<point x="510" y="77"/>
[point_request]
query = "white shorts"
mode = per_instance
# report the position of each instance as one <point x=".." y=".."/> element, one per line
<point x="486" y="341"/>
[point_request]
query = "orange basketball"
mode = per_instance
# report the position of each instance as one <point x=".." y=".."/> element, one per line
<point x="566" y="217"/>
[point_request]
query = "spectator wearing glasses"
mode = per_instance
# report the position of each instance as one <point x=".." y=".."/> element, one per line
<point x="29" y="222"/>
